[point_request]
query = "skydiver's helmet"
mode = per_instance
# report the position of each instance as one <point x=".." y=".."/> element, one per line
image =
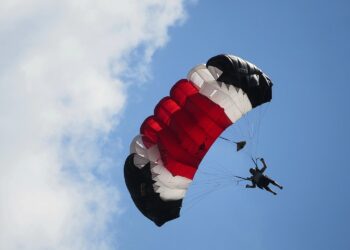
<point x="252" y="171"/>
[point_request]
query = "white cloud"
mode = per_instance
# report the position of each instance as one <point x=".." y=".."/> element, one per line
<point x="61" y="91"/>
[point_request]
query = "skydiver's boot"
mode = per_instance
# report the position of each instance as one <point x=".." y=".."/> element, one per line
<point x="276" y="184"/>
<point x="268" y="189"/>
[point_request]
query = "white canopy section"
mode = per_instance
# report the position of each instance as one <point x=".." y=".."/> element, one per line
<point x="168" y="186"/>
<point x="233" y="100"/>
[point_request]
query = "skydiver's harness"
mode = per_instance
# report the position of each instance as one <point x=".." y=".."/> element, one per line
<point x="249" y="178"/>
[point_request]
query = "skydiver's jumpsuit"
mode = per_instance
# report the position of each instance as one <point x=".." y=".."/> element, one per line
<point x="262" y="181"/>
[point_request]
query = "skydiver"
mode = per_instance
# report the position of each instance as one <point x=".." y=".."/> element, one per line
<point x="259" y="179"/>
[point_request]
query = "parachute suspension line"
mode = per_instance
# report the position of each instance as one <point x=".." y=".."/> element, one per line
<point x="201" y="189"/>
<point x="212" y="177"/>
<point x="246" y="120"/>
<point x="262" y="110"/>
<point x="252" y="132"/>
<point x="239" y="144"/>
<point x="246" y="138"/>
<point x="225" y="139"/>
<point x="261" y="114"/>
<point x="196" y="198"/>
<point x="219" y="170"/>
<point x="214" y="173"/>
<point x="252" y="121"/>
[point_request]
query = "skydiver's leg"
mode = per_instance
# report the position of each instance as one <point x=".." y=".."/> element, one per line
<point x="276" y="184"/>
<point x="268" y="189"/>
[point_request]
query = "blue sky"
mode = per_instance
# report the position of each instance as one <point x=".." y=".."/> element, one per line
<point x="304" y="47"/>
<point x="77" y="79"/>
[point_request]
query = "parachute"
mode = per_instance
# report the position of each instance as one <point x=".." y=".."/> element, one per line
<point x="172" y="142"/>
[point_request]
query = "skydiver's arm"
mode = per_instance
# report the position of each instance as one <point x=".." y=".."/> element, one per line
<point x="243" y="178"/>
<point x="251" y="186"/>
<point x="264" y="167"/>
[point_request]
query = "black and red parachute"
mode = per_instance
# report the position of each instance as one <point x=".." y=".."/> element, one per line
<point x="172" y="142"/>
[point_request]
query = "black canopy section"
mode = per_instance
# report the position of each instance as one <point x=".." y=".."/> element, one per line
<point x="243" y="75"/>
<point x="140" y="185"/>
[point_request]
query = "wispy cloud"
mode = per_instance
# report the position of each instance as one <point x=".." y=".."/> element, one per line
<point x="61" y="91"/>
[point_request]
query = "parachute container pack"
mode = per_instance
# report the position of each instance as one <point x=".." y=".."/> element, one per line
<point x="172" y="142"/>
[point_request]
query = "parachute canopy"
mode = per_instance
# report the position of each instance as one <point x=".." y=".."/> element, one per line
<point x="172" y="142"/>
